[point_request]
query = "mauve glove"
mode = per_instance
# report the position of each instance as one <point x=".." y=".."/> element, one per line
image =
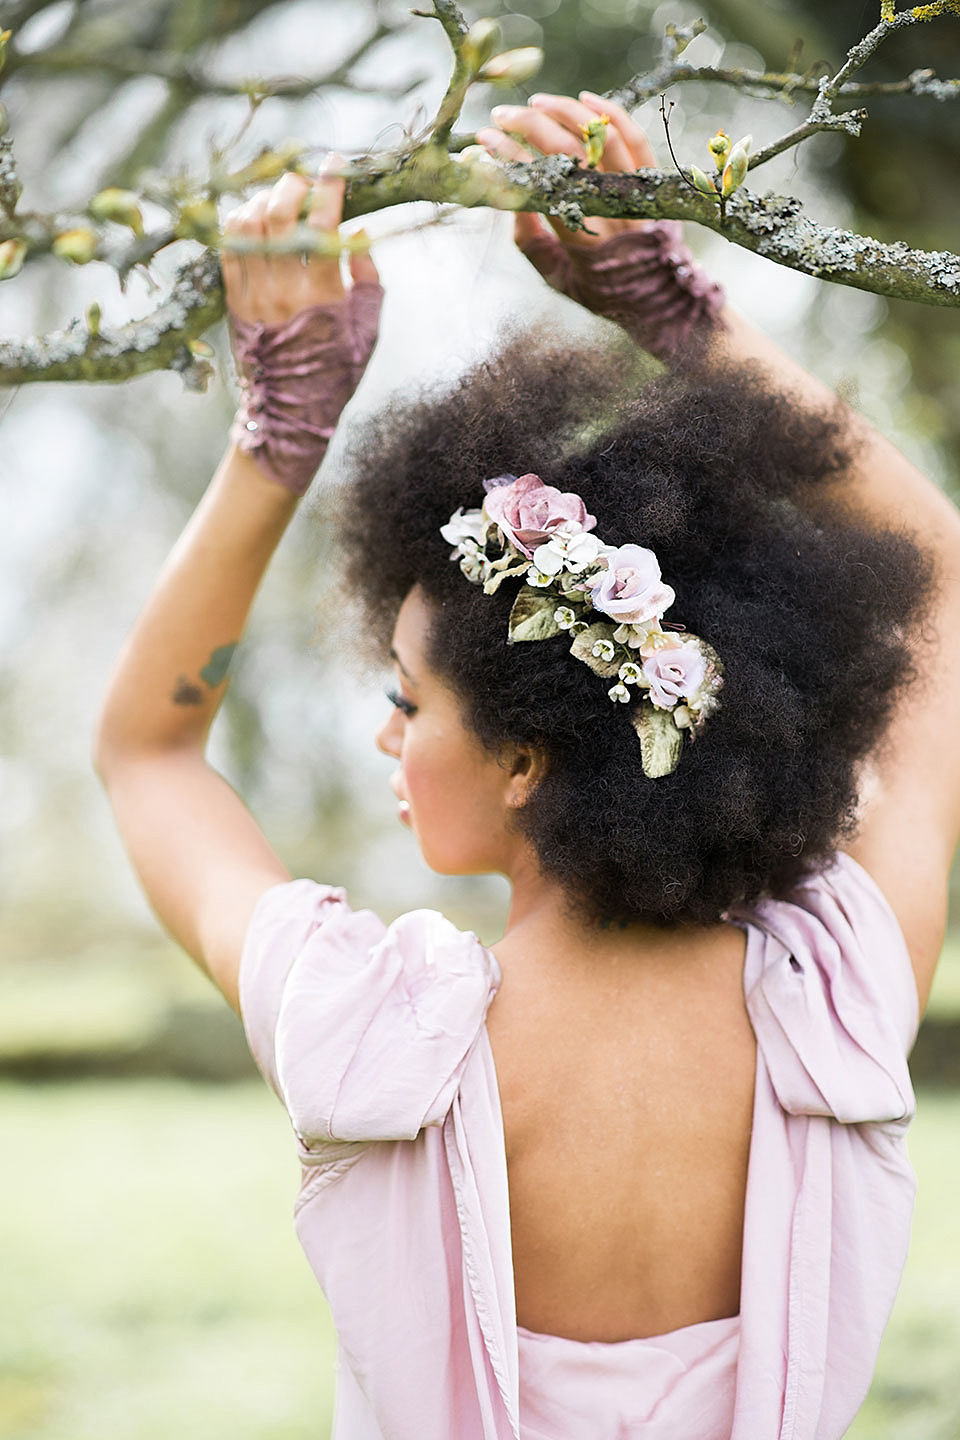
<point x="645" y="280"/>
<point x="296" y="377"/>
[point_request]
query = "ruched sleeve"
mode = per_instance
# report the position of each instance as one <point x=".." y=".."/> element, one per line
<point x="362" y="1029"/>
<point x="832" y="998"/>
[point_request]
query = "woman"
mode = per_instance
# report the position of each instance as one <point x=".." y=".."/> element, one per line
<point x="639" y="1169"/>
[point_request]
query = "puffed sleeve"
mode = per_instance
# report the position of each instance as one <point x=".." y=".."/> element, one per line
<point x="362" y="1029"/>
<point x="832" y="998"/>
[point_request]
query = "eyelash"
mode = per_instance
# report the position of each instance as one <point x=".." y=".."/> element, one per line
<point x="405" y="706"/>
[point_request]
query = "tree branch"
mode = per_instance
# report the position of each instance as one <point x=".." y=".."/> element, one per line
<point x="161" y="341"/>
<point x="423" y="169"/>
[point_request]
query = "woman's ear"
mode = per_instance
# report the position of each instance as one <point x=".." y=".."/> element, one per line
<point x="526" y="768"/>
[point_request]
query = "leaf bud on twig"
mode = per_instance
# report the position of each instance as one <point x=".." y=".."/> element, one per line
<point x="513" y="67"/>
<point x="198" y="221"/>
<point x="702" y="182"/>
<point x="479" y="43"/>
<point x="12" y="253"/>
<point x="719" y="147"/>
<point x="735" y="170"/>
<point x="78" y="245"/>
<point x="594" y="134"/>
<point x="120" y="206"/>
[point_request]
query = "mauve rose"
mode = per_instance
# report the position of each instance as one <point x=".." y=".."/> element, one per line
<point x="630" y="589"/>
<point x="674" y="674"/>
<point x="529" y="512"/>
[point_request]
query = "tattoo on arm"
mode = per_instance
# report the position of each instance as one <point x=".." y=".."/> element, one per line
<point x="215" y="670"/>
<point x="186" y="692"/>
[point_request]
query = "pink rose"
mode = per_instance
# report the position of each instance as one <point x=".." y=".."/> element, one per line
<point x="529" y="512"/>
<point x="630" y="588"/>
<point x="675" y="674"/>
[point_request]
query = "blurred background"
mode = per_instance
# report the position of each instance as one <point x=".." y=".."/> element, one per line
<point x="150" y="1281"/>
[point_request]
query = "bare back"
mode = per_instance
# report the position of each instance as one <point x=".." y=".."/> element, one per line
<point x="626" y="1079"/>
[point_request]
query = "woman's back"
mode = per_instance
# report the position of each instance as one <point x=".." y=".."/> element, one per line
<point x="626" y="1078"/>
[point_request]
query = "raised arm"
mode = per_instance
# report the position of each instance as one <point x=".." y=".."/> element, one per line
<point x="910" y="812"/>
<point x="200" y="855"/>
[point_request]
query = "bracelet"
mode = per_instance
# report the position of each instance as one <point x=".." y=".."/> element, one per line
<point x="296" y="376"/>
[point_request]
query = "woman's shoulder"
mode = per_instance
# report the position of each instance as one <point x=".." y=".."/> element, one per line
<point x="831" y="995"/>
<point x="363" y="1028"/>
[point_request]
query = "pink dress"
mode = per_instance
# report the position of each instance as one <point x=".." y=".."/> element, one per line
<point x="374" y="1039"/>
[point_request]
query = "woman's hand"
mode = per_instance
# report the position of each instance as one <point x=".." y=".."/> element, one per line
<point x="272" y="288"/>
<point x="553" y="125"/>
<point x="301" y="340"/>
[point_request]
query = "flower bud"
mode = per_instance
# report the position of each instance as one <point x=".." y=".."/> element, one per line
<point x="513" y="67"/>
<point x="201" y="349"/>
<point x="93" y="319"/>
<point x="595" y="138"/>
<point x="719" y="147"/>
<point x="121" y="206"/>
<point x="78" y="245"/>
<point x="479" y="43"/>
<point x="12" y="253"/>
<point x="702" y="182"/>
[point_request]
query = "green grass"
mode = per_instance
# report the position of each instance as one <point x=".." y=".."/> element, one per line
<point x="151" y="1283"/>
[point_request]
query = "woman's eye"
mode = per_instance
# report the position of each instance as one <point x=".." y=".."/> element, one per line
<point x="405" y="706"/>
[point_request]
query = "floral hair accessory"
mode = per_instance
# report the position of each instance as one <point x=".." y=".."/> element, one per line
<point x="610" y="599"/>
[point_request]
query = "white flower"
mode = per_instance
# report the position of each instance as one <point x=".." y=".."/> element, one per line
<point x="536" y="577"/>
<point x="568" y="548"/>
<point x="465" y="525"/>
<point x="635" y="635"/>
<point x="618" y="692"/>
<point x="564" y="616"/>
<point x="582" y="550"/>
<point x="602" y="650"/>
<point x="548" y="558"/>
<point x="630" y="674"/>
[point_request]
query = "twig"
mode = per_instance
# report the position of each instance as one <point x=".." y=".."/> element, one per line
<point x="665" y="117"/>
<point x="826" y="89"/>
<point x="822" y="116"/>
<point x="455" y="29"/>
<point x="782" y="85"/>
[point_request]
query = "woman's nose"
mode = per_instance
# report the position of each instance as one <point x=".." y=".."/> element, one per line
<point x="388" y="737"/>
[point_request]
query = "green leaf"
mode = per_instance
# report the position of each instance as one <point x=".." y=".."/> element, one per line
<point x="532" y="616"/>
<point x="660" y="741"/>
<point x="582" y="648"/>
<point x="215" y="670"/>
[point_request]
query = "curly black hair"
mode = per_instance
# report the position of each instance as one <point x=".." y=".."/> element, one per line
<point x="735" y="486"/>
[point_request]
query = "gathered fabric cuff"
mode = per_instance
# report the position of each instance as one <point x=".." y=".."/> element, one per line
<point x="644" y="280"/>
<point x="296" y="376"/>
